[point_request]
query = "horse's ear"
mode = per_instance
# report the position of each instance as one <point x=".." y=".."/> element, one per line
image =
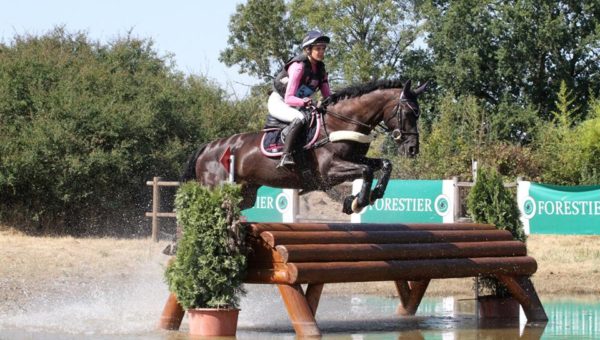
<point x="421" y="88"/>
<point x="406" y="87"/>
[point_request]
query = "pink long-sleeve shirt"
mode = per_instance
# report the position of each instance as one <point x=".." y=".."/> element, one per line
<point x="295" y="72"/>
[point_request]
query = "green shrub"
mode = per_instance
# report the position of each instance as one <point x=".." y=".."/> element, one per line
<point x="84" y="125"/>
<point x="210" y="264"/>
<point x="490" y="202"/>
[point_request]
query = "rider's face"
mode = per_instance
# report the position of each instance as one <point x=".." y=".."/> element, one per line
<point x="317" y="52"/>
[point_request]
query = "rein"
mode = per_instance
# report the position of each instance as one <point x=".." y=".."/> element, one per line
<point x="397" y="134"/>
<point x="348" y="119"/>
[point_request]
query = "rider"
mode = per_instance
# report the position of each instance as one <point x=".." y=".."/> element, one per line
<point x="299" y="79"/>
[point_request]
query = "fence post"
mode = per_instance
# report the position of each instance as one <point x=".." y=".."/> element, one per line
<point x="457" y="205"/>
<point x="155" y="207"/>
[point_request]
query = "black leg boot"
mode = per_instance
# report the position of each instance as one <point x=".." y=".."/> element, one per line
<point x="295" y="129"/>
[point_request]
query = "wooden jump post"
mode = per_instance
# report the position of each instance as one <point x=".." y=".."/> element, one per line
<point x="410" y="255"/>
<point x="156" y="183"/>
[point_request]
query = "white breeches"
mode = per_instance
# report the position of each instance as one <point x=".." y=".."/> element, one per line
<point x="280" y="110"/>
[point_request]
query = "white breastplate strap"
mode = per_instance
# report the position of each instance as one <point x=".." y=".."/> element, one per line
<point x="337" y="136"/>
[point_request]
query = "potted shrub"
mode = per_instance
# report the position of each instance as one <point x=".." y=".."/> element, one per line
<point x="210" y="264"/>
<point x="490" y="202"/>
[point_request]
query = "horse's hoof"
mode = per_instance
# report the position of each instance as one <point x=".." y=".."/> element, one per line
<point x="347" y="205"/>
<point x="355" y="208"/>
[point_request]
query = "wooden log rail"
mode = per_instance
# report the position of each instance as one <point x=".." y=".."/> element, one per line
<point x="410" y="255"/>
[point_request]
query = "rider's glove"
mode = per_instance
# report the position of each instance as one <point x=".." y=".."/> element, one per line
<point x="307" y="101"/>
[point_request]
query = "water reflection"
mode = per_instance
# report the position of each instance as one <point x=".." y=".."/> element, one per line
<point x="373" y="317"/>
<point x="263" y="316"/>
<point x="574" y="318"/>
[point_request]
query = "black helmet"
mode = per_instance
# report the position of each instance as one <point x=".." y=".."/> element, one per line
<point x="313" y="37"/>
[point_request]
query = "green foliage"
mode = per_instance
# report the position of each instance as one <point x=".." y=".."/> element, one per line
<point x="368" y="37"/>
<point x="563" y="116"/>
<point x="84" y="125"/>
<point x="261" y="38"/>
<point x="559" y="145"/>
<point x="588" y="140"/>
<point x="514" y="51"/>
<point x="210" y="264"/>
<point x="490" y="202"/>
<point x="512" y="122"/>
<point x="456" y="137"/>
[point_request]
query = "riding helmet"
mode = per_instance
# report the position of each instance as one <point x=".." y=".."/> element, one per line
<point x="313" y="37"/>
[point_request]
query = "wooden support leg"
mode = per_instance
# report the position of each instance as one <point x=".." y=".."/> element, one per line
<point x="411" y="293"/>
<point x="403" y="290"/>
<point x="172" y="314"/>
<point x="523" y="291"/>
<point x="299" y="310"/>
<point x="313" y="295"/>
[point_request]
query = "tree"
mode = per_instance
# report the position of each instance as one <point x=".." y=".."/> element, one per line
<point x="261" y="38"/>
<point x="490" y="202"/>
<point x="84" y="125"/>
<point x="515" y="52"/>
<point x="369" y="38"/>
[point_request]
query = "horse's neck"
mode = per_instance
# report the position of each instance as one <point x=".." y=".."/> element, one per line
<point x="359" y="114"/>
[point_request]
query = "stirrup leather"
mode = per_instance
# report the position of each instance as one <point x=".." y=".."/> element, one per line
<point x="286" y="160"/>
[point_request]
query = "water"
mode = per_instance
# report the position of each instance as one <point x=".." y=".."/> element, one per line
<point x="130" y="310"/>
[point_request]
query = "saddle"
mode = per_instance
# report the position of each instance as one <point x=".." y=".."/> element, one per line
<point x="275" y="131"/>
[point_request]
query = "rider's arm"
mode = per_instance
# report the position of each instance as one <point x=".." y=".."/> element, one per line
<point x="295" y="72"/>
<point x="325" y="90"/>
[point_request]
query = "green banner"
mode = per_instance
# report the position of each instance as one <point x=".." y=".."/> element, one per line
<point x="405" y="201"/>
<point x="552" y="209"/>
<point x="272" y="205"/>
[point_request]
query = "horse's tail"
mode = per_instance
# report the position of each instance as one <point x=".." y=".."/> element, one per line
<point x="189" y="172"/>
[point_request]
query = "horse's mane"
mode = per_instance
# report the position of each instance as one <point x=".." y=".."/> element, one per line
<point x="360" y="89"/>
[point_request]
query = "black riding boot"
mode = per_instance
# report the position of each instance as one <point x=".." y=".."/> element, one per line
<point x="295" y="129"/>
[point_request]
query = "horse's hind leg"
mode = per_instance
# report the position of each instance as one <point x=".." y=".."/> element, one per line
<point x="352" y="204"/>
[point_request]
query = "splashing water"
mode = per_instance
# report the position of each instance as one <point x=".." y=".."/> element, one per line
<point x="109" y="306"/>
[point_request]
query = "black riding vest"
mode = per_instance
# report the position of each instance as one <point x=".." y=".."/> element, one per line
<point x="311" y="80"/>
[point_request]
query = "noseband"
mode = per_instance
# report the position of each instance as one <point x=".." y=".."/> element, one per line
<point x="398" y="133"/>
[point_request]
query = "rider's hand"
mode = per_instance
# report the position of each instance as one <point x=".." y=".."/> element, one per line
<point x="307" y="101"/>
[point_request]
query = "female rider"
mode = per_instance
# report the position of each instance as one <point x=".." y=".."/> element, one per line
<point x="299" y="79"/>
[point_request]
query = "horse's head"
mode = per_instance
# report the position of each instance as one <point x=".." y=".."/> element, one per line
<point x="362" y="107"/>
<point x="402" y="121"/>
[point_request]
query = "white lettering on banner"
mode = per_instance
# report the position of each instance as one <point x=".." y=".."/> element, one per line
<point x="264" y="202"/>
<point x="402" y="204"/>
<point x="568" y="208"/>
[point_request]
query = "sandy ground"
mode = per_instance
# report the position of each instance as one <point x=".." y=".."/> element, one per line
<point x="52" y="267"/>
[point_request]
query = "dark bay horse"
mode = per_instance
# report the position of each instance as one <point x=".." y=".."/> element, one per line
<point x="348" y="117"/>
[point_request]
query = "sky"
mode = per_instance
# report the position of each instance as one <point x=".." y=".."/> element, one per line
<point x="194" y="31"/>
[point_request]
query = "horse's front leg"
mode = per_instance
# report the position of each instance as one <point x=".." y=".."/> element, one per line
<point x="379" y="190"/>
<point x="343" y="170"/>
<point x="386" y="167"/>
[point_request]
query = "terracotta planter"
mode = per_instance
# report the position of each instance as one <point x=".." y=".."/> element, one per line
<point x="493" y="307"/>
<point x="213" y="322"/>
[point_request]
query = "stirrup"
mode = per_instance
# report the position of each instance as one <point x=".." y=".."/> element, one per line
<point x="286" y="160"/>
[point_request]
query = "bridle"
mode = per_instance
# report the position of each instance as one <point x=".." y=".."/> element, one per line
<point x="398" y="133"/>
